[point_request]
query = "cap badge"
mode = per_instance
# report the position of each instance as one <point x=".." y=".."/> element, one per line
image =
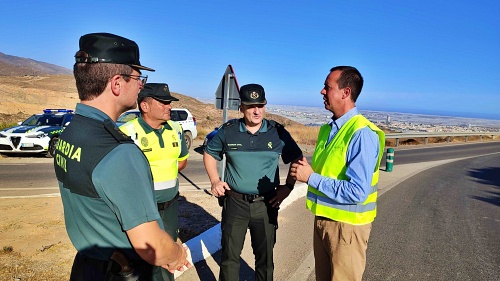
<point x="166" y="89"/>
<point x="254" y="95"/>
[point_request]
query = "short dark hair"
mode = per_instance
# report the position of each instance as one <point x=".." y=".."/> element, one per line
<point x="350" y="77"/>
<point x="92" y="78"/>
<point x="142" y="99"/>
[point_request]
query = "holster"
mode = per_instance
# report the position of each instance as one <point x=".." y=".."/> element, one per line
<point x="221" y="200"/>
<point x="121" y="269"/>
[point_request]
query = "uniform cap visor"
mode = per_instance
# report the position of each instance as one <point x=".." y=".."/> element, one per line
<point x="141" y="67"/>
<point x="250" y="103"/>
<point x="165" y="99"/>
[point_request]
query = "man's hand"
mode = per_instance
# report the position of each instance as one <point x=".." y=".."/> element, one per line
<point x="181" y="262"/>
<point x="281" y="193"/>
<point x="301" y="170"/>
<point x="219" y="188"/>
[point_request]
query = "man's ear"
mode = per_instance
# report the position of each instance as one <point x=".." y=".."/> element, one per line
<point x="115" y="84"/>
<point x="144" y="106"/>
<point x="346" y="92"/>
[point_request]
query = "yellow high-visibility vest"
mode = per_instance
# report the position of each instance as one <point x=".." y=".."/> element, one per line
<point x="163" y="160"/>
<point x="329" y="160"/>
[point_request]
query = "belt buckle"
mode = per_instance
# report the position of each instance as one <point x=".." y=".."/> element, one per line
<point x="254" y="198"/>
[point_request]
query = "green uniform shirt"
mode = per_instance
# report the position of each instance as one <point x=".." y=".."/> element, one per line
<point x="252" y="159"/>
<point x="105" y="183"/>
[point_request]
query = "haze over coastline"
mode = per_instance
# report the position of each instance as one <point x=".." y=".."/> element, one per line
<point x="317" y="116"/>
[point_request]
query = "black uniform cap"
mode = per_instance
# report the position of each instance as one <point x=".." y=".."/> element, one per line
<point x="158" y="91"/>
<point x="252" y="94"/>
<point x="109" y="48"/>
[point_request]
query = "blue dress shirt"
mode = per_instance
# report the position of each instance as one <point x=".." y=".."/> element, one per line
<point x="361" y="159"/>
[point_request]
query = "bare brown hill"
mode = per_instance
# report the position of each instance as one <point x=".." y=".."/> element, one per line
<point x="23" y="96"/>
<point x="18" y="66"/>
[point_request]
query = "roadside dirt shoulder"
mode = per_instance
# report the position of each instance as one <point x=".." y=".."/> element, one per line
<point x="35" y="245"/>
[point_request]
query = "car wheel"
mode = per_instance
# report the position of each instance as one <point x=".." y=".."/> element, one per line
<point x="188" y="137"/>
<point x="51" y="152"/>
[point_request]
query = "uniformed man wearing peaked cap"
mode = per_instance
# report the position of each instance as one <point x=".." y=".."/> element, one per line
<point x="157" y="91"/>
<point x="251" y="191"/>
<point x="252" y="94"/>
<point x="104" y="179"/>
<point x="162" y="141"/>
<point x="109" y="48"/>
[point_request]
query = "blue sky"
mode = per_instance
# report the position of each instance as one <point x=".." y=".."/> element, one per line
<point x="436" y="57"/>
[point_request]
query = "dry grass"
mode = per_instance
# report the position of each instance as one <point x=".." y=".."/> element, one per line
<point x="18" y="267"/>
<point x="304" y="134"/>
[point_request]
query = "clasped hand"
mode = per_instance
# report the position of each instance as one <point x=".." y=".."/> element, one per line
<point x="181" y="262"/>
<point x="219" y="188"/>
<point x="301" y="170"/>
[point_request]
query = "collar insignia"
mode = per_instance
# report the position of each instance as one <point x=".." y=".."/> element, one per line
<point x="144" y="142"/>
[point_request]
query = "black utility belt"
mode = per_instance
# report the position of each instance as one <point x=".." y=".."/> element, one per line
<point x="251" y="198"/>
<point x="165" y="205"/>
<point x="118" y="267"/>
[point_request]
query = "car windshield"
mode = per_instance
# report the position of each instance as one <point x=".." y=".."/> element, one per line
<point x="43" y="120"/>
<point x="127" y="116"/>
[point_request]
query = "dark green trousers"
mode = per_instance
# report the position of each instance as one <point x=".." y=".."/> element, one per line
<point x="170" y="219"/>
<point x="237" y="217"/>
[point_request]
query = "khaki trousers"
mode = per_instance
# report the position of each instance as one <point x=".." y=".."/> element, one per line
<point x="339" y="249"/>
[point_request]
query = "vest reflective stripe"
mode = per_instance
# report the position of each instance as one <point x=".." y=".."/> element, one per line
<point x="163" y="160"/>
<point x="369" y="204"/>
<point x="329" y="160"/>
<point x="165" y="184"/>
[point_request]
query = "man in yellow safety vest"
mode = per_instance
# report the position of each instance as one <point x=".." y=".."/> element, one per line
<point x="162" y="141"/>
<point x="342" y="180"/>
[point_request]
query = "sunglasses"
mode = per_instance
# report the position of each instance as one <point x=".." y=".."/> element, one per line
<point x="143" y="79"/>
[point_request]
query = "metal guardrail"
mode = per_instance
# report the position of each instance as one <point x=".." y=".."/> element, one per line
<point x="448" y="135"/>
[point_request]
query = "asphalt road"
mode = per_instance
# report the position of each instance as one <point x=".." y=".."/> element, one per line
<point x="27" y="176"/>
<point x="31" y="176"/>
<point x="442" y="224"/>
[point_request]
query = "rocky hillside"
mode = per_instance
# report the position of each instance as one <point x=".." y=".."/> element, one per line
<point x="23" y="96"/>
<point x="28" y="86"/>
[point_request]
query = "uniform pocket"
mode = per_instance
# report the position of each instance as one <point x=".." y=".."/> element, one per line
<point x="345" y="233"/>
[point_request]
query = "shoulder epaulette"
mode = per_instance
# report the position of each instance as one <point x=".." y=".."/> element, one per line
<point x="275" y="124"/>
<point x="230" y="123"/>
<point x="120" y="136"/>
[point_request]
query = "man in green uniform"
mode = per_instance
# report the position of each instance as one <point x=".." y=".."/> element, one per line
<point x="104" y="179"/>
<point x="251" y="185"/>
<point x="162" y="141"/>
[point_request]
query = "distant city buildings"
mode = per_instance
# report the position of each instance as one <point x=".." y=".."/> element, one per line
<point x="395" y="122"/>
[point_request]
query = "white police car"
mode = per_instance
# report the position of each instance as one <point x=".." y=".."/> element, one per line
<point x="37" y="134"/>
